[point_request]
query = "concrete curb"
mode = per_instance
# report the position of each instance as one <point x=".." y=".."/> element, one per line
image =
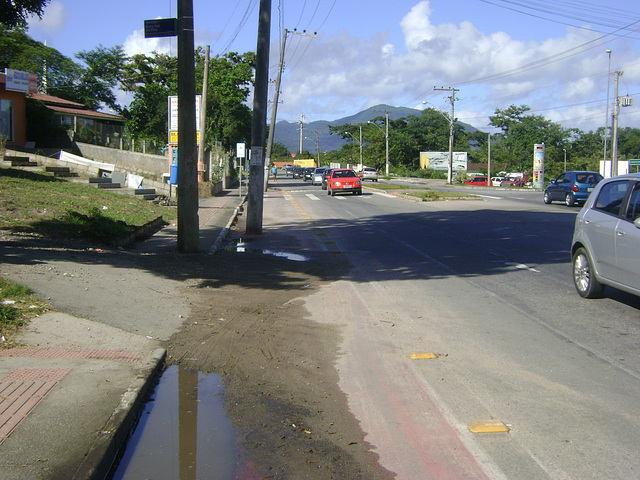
<point x="225" y="231"/>
<point x="102" y="454"/>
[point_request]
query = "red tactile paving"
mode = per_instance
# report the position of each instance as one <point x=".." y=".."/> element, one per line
<point x="119" y="355"/>
<point x="20" y="392"/>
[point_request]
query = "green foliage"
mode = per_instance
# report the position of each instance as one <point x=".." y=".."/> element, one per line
<point x="278" y="150"/>
<point x="14" y="13"/>
<point x="97" y="82"/>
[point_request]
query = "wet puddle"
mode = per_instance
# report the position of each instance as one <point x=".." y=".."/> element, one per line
<point x="183" y="432"/>
<point x="241" y="247"/>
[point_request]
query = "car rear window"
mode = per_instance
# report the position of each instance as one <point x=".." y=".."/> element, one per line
<point x="590" y="178"/>
<point x="611" y="196"/>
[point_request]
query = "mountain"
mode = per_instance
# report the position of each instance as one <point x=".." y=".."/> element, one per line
<point x="288" y="133"/>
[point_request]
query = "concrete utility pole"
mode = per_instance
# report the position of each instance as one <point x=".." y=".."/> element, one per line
<point x="188" y="224"/>
<point x="614" y="140"/>
<point x="386" y="138"/>
<point x="203" y="116"/>
<point x="452" y="98"/>
<point x="606" y="123"/>
<point x="255" y="200"/>
<point x="301" y="130"/>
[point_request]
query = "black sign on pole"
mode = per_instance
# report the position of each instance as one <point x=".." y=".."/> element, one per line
<point x="161" y="27"/>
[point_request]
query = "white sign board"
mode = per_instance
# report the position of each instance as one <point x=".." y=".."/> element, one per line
<point x="240" y="150"/>
<point x="17" y="80"/>
<point x="173" y="118"/>
<point x="440" y="161"/>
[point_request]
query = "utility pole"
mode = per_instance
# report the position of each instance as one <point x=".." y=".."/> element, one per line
<point x="188" y="224"/>
<point x="606" y="124"/>
<point x="276" y="95"/>
<point x="386" y="138"/>
<point x="452" y="98"/>
<point x="203" y="115"/>
<point x="614" y="140"/>
<point x="318" y="145"/>
<point x="489" y="160"/>
<point x="255" y="200"/>
<point x="301" y="130"/>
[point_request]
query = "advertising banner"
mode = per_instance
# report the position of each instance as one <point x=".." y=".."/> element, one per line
<point x="440" y="161"/>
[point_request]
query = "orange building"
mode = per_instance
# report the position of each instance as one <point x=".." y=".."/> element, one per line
<point x="13" y="112"/>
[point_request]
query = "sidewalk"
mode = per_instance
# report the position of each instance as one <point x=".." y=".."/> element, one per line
<point x="69" y="397"/>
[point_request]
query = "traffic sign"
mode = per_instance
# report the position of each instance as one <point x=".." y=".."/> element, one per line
<point x="634" y="161"/>
<point x="161" y="27"/>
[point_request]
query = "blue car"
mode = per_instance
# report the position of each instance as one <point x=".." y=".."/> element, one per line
<point x="572" y="187"/>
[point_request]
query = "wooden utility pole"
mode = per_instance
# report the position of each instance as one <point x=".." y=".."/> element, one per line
<point x="203" y="116"/>
<point x="188" y="225"/>
<point x="255" y="198"/>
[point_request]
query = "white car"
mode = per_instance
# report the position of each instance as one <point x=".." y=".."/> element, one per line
<point x="496" y="181"/>
<point x="369" y="173"/>
<point x="606" y="238"/>
<point x="316" y="178"/>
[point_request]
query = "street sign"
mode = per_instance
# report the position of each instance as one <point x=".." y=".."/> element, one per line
<point x="634" y="161"/>
<point x="161" y="27"/>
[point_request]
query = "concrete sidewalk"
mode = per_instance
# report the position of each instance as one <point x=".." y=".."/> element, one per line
<point x="69" y="397"/>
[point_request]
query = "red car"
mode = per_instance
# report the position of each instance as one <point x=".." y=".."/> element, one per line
<point x="480" y="181"/>
<point x="343" y="180"/>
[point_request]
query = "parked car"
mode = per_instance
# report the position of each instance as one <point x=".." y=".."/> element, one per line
<point x="298" y="172"/>
<point x="324" y="177"/>
<point x="308" y="173"/>
<point x="513" y="182"/>
<point x="479" y="181"/>
<point x="571" y="187"/>
<point x="343" y="180"/>
<point x="496" y="181"/>
<point x="316" y="178"/>
<point x="606" y="238"/>
<point x="369" y="173"/>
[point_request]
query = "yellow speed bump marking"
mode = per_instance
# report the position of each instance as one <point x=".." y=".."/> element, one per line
<point x="422" y="355"/>
<point x="488" y="426"/>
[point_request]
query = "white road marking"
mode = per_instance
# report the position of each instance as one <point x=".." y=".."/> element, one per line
<point x="312" y="196"/>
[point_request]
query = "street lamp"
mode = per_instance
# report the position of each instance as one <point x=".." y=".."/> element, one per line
<point x="565" y="159"/>
<point x="386" y="138"/>
<point x="360" y="142"/>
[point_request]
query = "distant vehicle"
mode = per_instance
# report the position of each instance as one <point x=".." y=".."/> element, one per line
<point x="496" y="181"/>
<point x="479" y="181"/>
<point x="343" y="180"/>
<point x="298" y="172"/>
<point x="606" y="238"/>
<point x="288" y="170"/>
<point x="318" y="173"/>
<point x="369" y="173"/>
<point x="324" y="177"/>
<point x="308" y="173"/>
<point x="513" y="182"/>
<point x="572" y="187"/>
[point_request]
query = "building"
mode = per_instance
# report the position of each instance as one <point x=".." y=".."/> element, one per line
<point x="13" y="107"/>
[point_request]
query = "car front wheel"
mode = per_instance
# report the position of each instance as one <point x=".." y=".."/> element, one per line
<point x="584" y="277"/>
<point x="547" y="198"/>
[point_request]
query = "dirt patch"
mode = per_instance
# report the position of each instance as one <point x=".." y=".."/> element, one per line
<point x="278" y="370"/>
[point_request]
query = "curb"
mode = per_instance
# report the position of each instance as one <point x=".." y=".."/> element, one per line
<point x="98" y="462"/>
<point x="225" y="231"/>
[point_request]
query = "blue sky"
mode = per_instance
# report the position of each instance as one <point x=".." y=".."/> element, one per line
<point x="366" y="52"/>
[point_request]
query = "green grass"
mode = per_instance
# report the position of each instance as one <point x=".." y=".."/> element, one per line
<point x="18" y="303"/>
<point x="42" y="204"/>
<point x="423" y="193"/>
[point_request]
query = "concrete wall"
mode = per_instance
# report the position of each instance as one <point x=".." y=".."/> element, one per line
<point x="151" y="167"/>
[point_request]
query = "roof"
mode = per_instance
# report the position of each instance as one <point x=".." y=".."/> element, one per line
<point x="68" y="107"/>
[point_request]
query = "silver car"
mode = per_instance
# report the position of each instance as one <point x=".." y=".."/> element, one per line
<point x="606" y="238"/>
<point x="316" y="179"/>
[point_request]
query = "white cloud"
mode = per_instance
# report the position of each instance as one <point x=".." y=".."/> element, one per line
<point x="340" y="74"/>
<point x="53" y="21"/>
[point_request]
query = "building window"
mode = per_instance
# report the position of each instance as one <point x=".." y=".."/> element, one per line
<point x="6" y="120"/>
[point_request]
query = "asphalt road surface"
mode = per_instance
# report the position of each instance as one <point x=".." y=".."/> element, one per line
<point x="486" y="285"/>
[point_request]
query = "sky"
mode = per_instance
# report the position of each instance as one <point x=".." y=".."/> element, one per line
<point x="343" y="56"/>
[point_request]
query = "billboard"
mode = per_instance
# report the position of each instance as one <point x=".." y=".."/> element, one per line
<point x="440" y="161"/>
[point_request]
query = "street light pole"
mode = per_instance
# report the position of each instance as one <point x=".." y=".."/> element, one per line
<point x="386" y="136"/>
<point x="565" y="159"/>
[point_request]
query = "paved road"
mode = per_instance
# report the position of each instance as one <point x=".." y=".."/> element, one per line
<point x="486" y="285"/>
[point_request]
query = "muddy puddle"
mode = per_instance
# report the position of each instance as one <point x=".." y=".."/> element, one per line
<point x="183" y="432"/>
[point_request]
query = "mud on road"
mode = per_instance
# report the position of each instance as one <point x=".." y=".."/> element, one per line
<point x="248" y="325"/>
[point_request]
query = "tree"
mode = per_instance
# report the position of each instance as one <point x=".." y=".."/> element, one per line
<point x="14" y="13"/>
<point x="97" y="82"/>
<point x="520" y="132"/>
